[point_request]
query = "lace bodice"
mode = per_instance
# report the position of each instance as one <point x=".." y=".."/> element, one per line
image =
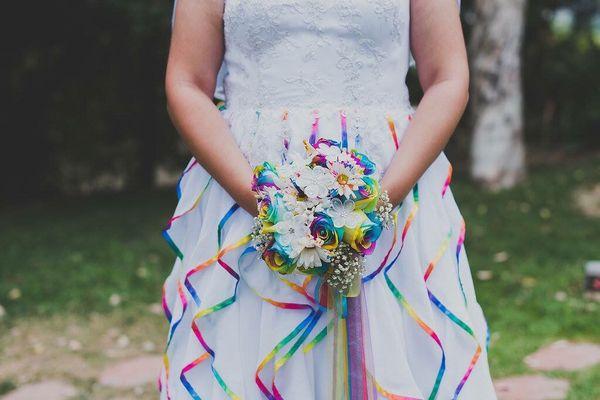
<point x="296" y="66"/>
<point x="312" y="53"/>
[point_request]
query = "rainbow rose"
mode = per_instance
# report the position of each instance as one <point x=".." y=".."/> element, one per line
<point x="364" y="161"/>
<point x="367" y="195"/>
<point x="276" y="257"/>
<point x="364" y="235"/>
<point x="322" y="228"/>
<point x="265" y="175"/>
<point x="269" y="209"/>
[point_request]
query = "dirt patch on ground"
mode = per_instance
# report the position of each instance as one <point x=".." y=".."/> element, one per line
<point x="77" y="349"/>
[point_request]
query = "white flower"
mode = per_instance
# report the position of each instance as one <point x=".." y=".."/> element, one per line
<point x="315" y="182"/>
<point x="293" y="231"/>
<point x="343" y="214"/>
<point x="270" y="192"/>
<point x="346" y="157"/>
<point x="312" y="257"/>
<point x="333" y="154"/>
<point x="293" y="167"/>
<point x="321" y="205"/>
<point x="346" y="179"/>
<point x="306" y="207"/>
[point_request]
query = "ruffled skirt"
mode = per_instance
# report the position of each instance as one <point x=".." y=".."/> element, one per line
<point x="240" y="331"/>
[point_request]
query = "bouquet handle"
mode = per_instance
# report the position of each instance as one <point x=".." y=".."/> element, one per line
<point x="350" y="364"/>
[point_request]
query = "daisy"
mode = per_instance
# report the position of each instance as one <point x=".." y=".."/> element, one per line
<point x="309" y="252"/>
<point x="315" y="182"/>
<point x="346" y="179"/>
<point x="312" y="257"/>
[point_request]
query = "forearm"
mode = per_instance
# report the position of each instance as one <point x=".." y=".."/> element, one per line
<point x="428" y="133"/>
<point x="207" y="136"/>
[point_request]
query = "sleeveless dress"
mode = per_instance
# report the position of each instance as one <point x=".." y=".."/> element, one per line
<point x="298" y="68"/>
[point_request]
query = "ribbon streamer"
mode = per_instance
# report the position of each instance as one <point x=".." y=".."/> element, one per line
<point x="184" y="304"/>
<point x="469" y="331"/>
<point x="408" y="223"/>
<point x="410" y="310"/>
<point x="219" y="306"/>
<point x="165" y="232"/>
<point x="304" y="328"/>
<point x="388" y="395"/>
<point x="393" y="132"/>
<point x="344" y="130"/>
<point x="459" y="245"/>
<point x="315" y="129"/>
<point x="448" y="180"/>
<point x="357" y="368"/>
<point x="451" y="315"/>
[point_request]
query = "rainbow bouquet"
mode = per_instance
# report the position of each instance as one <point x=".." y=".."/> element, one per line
<point x="320" y="214"/>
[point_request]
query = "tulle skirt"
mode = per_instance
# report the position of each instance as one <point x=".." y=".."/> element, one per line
<point x="240" y="331"/>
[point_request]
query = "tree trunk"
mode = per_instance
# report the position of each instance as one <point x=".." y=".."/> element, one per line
<point x="497" y="149"/>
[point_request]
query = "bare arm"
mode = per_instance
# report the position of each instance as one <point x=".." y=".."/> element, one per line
<point x="194" y="60"/>
<point x="439" y="50"/>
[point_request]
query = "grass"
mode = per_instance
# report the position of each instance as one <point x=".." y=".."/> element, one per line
<point x="70" y="256"/>
<point x="546" y="241"/>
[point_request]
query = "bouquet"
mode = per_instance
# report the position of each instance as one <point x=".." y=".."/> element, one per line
<point x="320" y="214"/>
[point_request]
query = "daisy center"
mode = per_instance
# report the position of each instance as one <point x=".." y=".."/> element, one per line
<point x="342" y="179"/>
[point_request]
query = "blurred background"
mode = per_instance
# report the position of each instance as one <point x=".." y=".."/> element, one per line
<point x="89" y="162"/>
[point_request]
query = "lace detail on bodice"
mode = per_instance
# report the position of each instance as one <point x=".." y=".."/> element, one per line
<point x="269" y="134"/>
<point x="288" y="60"/>
<point x="313" y="52"/>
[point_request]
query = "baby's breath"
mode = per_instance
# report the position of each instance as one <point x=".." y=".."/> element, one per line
<point x="346" y="265"/>
<point x="260" y="240"/>
<point x="384" y="210"/>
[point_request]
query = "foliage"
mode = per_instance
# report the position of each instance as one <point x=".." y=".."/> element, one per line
<point x="85" y="89"/>
<point x="561" y="65"/>
<point x="559" y="76"/>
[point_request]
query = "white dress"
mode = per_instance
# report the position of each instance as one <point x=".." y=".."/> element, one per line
<point x="240" y="331"/>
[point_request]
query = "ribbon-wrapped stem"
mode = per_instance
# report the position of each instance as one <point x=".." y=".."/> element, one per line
<point x="350" y="366"/>
<point x="356" y="350"/>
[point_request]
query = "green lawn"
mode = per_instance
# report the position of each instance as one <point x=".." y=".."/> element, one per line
<point x="547" y="240"/>
<point x="70" y="256"/>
